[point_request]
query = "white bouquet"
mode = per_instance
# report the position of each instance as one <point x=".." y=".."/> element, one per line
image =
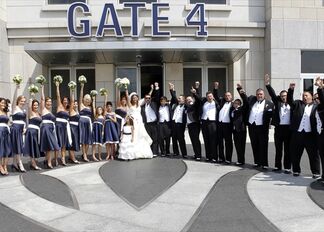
<point x="82" y="79"/>
<point x="117" y="82"/>
<point x="33" y="89"/>
<point x="72" y="85"/>
<point x="40" y="79"/>
<point x="103" y="92"/>
<point x="122" y="82"/>
<point x="93" y="93"/>
<point x="17" y="79"/>
<point x="58" y="79"/>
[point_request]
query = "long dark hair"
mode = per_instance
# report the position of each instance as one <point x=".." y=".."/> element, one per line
<point x="6" y="109"/>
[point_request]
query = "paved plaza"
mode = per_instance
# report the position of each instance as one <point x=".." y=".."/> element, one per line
<point x="162" y="194"/>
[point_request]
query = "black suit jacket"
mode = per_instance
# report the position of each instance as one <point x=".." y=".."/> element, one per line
<point x="239" y="115"/>
<point x="193" y="111"/>
<point x="154" y="105"/>
<point x="174" y="104"/>
<point x="202" y="101"/>
<point x="277" y="102"/>
<point x="320" y="107"/>
<point x="297" y="112"/>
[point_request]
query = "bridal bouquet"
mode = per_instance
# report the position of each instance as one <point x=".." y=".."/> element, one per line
<point x="93" y="93"/>
<point x="72" y="85"/>
<point x="58" y="79"/>
<point x="17" y="79"/>
<point x="33" y="89"/>
<point x="40" y="79"/>
<point x="82" y="79"/>
<point x="122" y="82"/>
<point x="103" y="92"/>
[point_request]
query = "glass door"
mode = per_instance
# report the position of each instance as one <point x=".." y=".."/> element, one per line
<point x="150" y="75"/>
<point x="190" y="76"/>
<point x="217" y="74"/>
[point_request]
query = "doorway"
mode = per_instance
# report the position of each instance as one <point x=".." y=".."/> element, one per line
<point x="150" y="75"/>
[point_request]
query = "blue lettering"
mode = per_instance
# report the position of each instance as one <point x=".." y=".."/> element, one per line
<point x="134" y="9"/>
<point x="109" y="9"/>
<point x="86" y="28"/>
<point x="201" y="23"/>
<point x="156" y="19"/>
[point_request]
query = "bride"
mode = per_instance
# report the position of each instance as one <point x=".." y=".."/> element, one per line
<point x="142" y="140"/>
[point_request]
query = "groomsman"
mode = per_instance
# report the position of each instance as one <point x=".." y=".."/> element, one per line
<point x="209" y="116"/>
<point x="238" y="116"/>
<point x="320" y="122"/>
<point x="193" y="122"/>
<point x="164" y="126"/>
<point x="281" y="121"/>
<point x="225" y="125"/>
<point x="178" y="125"/>
<point x="303" y="126"/>
<point x="259" y="116"/>
<point x="149" y="113"/>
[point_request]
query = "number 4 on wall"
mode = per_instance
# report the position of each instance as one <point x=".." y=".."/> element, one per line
<point x="201" y="22"/>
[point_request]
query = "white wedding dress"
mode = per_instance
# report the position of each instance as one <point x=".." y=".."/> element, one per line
<point x="142" y="140"/>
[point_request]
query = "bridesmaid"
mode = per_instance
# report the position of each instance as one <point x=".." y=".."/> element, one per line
<point x="97" y="133"/>
<point x="121" y="110"/>
<point x="62" y="124"/>
<point x="17" y="130"/>
<point x="85" y="123"/>
<point x="74" y="124"/>
<point x="48" y="142"/>
<point x="111" y="135"/>
<point x="5" y="141"/>
<point x="32" y="139"/>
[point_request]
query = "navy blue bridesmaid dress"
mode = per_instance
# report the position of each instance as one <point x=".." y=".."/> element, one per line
<point x="48" y="140"/>
<point x="97" y="131"/>
<point x="32" y="139"/>
<point x="16" y="132"/>
<point x="75" y="133"/>
<point x="5" y="140"/>
<point x="111" y="134"/>
<point x="85" y="126"/>
<point x="62" y="127"/>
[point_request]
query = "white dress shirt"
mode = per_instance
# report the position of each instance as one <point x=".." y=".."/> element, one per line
<point x="224" y="113"/>
<point x="164" y="114"/>
<point x="319" y="124"/>
<point x="256" y="114"/>
<point x="209" y="111"/>
<point x="285" y="114"/>
<point x="150" y="114"/>
<point x="305" y="123"/>
<point x="178" y="113"/>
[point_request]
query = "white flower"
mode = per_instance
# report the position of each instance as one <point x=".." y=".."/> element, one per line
<point x="124" y="81"/>
<point x="40" y="79"/>
<point x="117" y="82"/>
<point x="58" y="78"/>
<point x="82" y="79"/>
<point x="93" y="93"/>
<point x="72" y="85"/>
<point x="33" y="89"/>
<point x="103" y="91"/>
<point x="17" y="79"/>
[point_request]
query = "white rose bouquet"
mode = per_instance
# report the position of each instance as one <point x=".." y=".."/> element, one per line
<point x="33" y="89"/>
<point x="40" y="79"/>
<point x="58" y="78"/>
<point x="117" y="82"/>
<point x="93" y="93"/>
<point x="103" y="92"/>
<point x="72" y="85"/>
<point x="122" y="82"/>
<point x="82" y="79"/>
<point x="17" y="79"/>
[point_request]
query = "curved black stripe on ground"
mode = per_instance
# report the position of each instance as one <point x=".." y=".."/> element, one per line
<point x="316" y="192"/>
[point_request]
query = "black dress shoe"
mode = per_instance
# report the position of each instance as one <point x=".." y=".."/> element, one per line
<point x="185" y="157"/>
<point x="276" y="170"/>
<point x="296" y="174"/>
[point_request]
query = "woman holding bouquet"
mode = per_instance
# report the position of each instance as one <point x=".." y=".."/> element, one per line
<point x="5" y="141"/>
<point x="17" y="130"/>
<point x="85" y="122"/>
<point x="97" y="132"/>
<point x="48" y="142"/>
<point x="62" y="124"/>
<point x="111" y="135"/>
<point x="32" y="139"/>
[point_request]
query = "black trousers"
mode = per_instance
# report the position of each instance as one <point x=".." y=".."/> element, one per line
<point x="240" y="142"/>
<point x="225" y="134"/>
<point x="152" y="130"/>
<point x="164" y="137"/>
<point x="320" y="145"/>
<point x="259" y="136"/>
<point x="194" y="130"/>
<point x="282" y="138"/>
<point x="299" y="141"/>
<point x="178" y="130"/>
<point x="209" y="131"/>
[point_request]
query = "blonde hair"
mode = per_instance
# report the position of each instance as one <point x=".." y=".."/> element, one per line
<point x="19" y="98"/>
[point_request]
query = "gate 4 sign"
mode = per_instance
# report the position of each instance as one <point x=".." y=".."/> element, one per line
<point x="109" y="20"/>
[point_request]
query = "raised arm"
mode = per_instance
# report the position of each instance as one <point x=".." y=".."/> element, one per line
<point x="215" y="92"/>
<point x="117" y="97"/>
<point x="320" y="90"/>
<point x="173" y="94"/>
<point x="243" y="95"/>
<point x="94" y="106"/>
<point x="71" y="109"/>
<point x="58" y="98"/>
<point x="105" y="103"/>
<point x="30" y="105"/>
<point x="42" y="99"/>
<point x="13" y="104"/>
<point x="127" y="98"/>
<point x="81" y="106"/>
<point x="271" y="91"/>
<point x="290" y="95"/>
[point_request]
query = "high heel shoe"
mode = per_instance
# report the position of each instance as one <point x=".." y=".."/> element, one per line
<point x="21" y="166"/>
<point x="35" y="168"/>
<point x="14" y="168"/>
<point x="74" y="161"/>
<point x="63" y="162"/>
<point x="47" y="166"/>
<point x="56" y="163"/>
<point x="85" y="159"/>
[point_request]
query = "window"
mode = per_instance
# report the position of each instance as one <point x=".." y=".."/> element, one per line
<point x="307" y="82"/>
<point x="219" y="75"/>
<point x="64" y="90"/>
<point x="131" y="74"/>
<point x="312" y="61"/>
<point x="190" y="76"/>
<point x="90" y="74"/>
<point x="208" y="1"/>
<point x="149" y="1"/>
<point x="57" y="2"/>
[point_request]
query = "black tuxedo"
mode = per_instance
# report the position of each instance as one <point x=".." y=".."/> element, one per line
<point x="192" y="112"/>
<point x="320" y="137"/>
<point x="282" y="134"/>
<point x="151" y="127"/>
<point x="165" y="133"/>
<point x="259" y="134"/>
<point x="224" y="132"/>
<point x="302" y="140"/>
<point x="178" y="129"/>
